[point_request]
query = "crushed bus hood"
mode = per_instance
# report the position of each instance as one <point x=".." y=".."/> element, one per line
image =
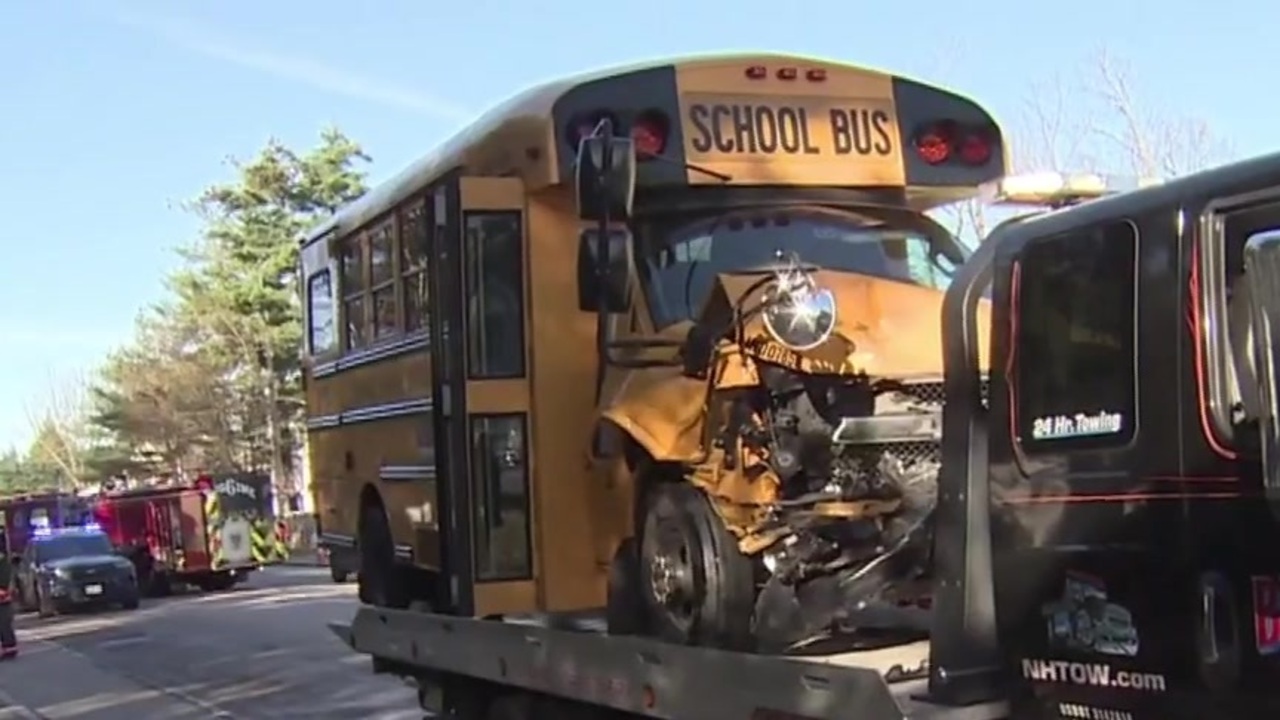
<point x="884" y="328"/>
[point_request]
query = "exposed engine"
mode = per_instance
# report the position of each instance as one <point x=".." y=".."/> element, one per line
<point x="844" y="538"/>
<point x="846" y="543"/>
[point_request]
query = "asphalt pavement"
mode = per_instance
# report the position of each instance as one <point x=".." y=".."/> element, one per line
<point x="261" y="650"/>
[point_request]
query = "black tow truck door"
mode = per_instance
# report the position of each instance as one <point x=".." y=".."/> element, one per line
<point x="1083" y="454"/>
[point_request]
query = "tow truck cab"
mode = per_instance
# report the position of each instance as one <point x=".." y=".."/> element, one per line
<point x="1128" y="454"/>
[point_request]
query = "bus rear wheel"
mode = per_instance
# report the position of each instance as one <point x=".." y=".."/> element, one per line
<point x="698" y="587"/>
<point x="380" y="582"/>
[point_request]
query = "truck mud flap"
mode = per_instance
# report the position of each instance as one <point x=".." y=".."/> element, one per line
<point x="637" y="675"/>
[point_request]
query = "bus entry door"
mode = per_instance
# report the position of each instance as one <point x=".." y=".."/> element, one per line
<point x="480" y="392"/>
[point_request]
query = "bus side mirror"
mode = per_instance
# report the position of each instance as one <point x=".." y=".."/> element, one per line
<point x="605" y="179"/>
<point x="612" y="295"/>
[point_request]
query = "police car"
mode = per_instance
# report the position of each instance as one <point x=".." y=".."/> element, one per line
<point x="73" y="567"/>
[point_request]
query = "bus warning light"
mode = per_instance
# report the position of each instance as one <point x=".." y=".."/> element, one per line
<point x="585" y="125"/>
<point x="757" y="72"/>
<point x="649" y="133"/>
<point x="933" y="145"/>
<point x="815" y="75"/>
<point x="788" y="73"/>
<point x="975" y="149"/>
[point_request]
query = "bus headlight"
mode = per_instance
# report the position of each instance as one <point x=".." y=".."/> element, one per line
<point x="797" y="313"/>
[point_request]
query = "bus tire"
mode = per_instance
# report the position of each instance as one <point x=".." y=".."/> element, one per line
<point x="698" y="587"/>
<point x="625" y="609"/>
<point x="381" y="583"/>
<point x="338" y="575"/>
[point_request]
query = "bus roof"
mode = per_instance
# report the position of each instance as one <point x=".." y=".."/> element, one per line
<point x="484" y="146"/>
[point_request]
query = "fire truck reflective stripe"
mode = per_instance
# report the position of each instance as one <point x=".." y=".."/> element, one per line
<point x="215" y="552"/>
<point x="260" y="545"/>
<point x="213" y="522"/>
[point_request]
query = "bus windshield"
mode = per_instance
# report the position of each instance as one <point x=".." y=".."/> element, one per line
<point x="682" y="261"/>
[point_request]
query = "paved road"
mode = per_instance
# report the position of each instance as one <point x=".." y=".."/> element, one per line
<point x="259" y="651"/>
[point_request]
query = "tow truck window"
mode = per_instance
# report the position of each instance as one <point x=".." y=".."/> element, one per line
<point x="681" y="261"/>
<point x="1075" y="363"/>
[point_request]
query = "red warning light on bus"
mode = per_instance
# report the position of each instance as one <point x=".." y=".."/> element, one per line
<point x="649" y="133"/>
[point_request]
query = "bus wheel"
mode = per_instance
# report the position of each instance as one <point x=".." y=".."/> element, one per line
<point x="381" y="583"/>
<point x="338" y="575"/>
<point x="699" y="589"/>
<point x="624" y="602"/>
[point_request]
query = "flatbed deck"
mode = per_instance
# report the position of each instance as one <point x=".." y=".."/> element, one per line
<point x="573" y="659"/>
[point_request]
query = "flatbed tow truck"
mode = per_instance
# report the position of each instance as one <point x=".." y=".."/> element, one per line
<point x="1172" y="608"/>
<point x="1104" y="535"/>
<point x="568" y="666"/>
<point x="524" y="668"/>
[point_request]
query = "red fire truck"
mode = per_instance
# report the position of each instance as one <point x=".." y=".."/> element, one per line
<point x="210" y="534"/>
<point x="21" y="513"/>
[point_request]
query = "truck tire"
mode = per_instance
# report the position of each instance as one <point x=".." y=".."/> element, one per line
<point x="698" y="588"/>
<point x="218" y="582"/>
<point x="381" y="583"/>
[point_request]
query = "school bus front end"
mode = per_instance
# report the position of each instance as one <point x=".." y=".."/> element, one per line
<point x="771" y="412"/>
<point x="580" y="401"/>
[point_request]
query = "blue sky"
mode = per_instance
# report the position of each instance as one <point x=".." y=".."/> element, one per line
<point x="119" y="111"/>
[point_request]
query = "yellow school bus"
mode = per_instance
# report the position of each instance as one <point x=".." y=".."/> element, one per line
<point x="516" y="405"/>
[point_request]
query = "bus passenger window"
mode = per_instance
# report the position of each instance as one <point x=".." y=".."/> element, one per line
<point x="1075" y="374"/>
<point x="494" y="270"/>
<point x="500" y="496"/>
<point x="353" y="288"/>
<point x="380" y="247"/>
<point x="382" y="278"/>
<point x="414" y="248"/>
<point x="321" y="335"/>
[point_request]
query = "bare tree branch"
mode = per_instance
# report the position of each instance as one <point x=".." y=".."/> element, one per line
<point x="60" y="427"/>
<point x="1098" y="124"/>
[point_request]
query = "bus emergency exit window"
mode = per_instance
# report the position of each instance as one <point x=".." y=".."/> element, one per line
<point x="1073" y="337"/>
